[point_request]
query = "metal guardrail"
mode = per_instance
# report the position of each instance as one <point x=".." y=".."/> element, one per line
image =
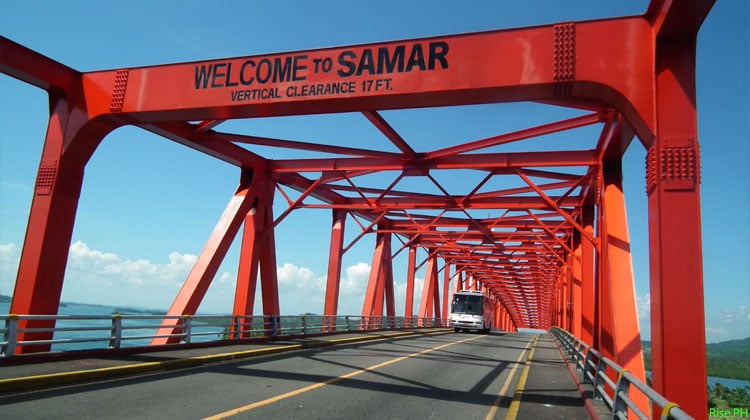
<point x="593" y="366"/>
<point x="119" y="331"/>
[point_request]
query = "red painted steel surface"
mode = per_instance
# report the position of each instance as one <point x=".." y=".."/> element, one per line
<point x="556" y="252"/>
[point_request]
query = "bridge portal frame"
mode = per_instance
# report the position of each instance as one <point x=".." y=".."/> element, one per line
<point x="652" y="96"/>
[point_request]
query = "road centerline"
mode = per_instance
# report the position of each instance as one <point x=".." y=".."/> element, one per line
<point x="508" y="380"/>
<point x="516" y="403"/>
<point x="330" y="381"/>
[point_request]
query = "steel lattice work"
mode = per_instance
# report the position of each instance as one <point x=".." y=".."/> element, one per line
<point x="555" y="250"/>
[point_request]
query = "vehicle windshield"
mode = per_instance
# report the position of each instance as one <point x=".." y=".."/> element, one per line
<point x="463" y="304"/>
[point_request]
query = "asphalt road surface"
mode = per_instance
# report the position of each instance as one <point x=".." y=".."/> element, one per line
<point x="443" y="376"/>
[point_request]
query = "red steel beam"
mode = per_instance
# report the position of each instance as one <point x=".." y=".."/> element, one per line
<point x="541" y="130"/>
<point x="536" y="66"/>
<point x="479" y="161"/>
<point x="35" y="69"/>
<point x="677" y="19"/>
<point x="378" y="121"/>
<point x="514" y="203"/>
<point x="45" y="250"/>
<point x="334" y="263"/>
<point x="300" y="145"/>
<point x="618" y="283"/>
<point x="676" y="257"/>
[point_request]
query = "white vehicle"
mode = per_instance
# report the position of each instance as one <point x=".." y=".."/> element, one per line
<point x="472" y="310"/>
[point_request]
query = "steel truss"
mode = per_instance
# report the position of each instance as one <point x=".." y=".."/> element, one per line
<point x="556" y="253"/>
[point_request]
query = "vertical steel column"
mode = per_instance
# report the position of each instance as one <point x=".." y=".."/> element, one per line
<point x="446" y="288"/>
<point x="409" y="304"/>
<point x="588" y="281"/>
<point x="604" y="340"/>
<point x="673" y="185"/>
<point x="600" y="281"/>
<point x="576" y="293"/>
<point x="380" y="284"/>
<point x="258" y="254"/>
<point x="368" y="306"/>
<point x="247" y="273"/>
<point x="387" y="278"/>
<point x="269" y="284"/>
<point x="508" y="324"/>
<point x="560" y="301"/>
<point x="566" y="277"/>
<point x="554" y="303"/>
<point x="379" y="291"/>
<point x="618" y="297"/>
<point x="334" y="264"/>
<point x="430" y="302"/>
<point x="44" y="256"/>
<point x="436" y="290"/>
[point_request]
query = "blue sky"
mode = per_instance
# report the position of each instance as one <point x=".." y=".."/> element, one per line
<point x="148" y="205"/>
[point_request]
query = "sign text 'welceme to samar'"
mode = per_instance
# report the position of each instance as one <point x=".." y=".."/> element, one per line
<point x="346" y="72"/>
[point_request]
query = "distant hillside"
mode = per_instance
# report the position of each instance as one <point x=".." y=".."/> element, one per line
<point x="727" y="359"/>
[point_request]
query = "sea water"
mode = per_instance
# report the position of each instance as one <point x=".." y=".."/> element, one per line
<point x="146" y="328"/>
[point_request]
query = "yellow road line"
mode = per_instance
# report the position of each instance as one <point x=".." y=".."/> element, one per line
<point x="62" y="378"/>
<point x="299" y="391"/>
<point x="516" y="403"/>
<point x="501" y="393"/>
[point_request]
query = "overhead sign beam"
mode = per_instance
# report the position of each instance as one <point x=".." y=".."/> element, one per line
<point x="561" y="63"/>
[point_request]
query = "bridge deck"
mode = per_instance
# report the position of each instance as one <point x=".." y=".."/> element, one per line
<point x="504" y="375"/>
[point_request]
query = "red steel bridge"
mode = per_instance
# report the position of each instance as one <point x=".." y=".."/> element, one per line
<point x="556" y="252"/>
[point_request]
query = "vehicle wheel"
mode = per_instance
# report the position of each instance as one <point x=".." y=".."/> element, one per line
<point x="455" y="329"/>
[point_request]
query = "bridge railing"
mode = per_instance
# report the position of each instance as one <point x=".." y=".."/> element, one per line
<point x="91" y="332"/>
<point x="615" y="394"/>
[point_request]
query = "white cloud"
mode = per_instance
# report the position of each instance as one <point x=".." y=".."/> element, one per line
<point x="98" y="266"/>
<point x="95" y="276"/>
<point x="729" y="324"/>
<point x="401" y="296"/>
<point x="643" y="305"/>
<point x="716" y="334"/>
<point x="356" y="279"/>
<point x="743" y="313"/>
<point x="10" y="256"/>
<point x="226" y="278"/>
<point x="300" y="290"/>
<point x="9" y="252"/>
